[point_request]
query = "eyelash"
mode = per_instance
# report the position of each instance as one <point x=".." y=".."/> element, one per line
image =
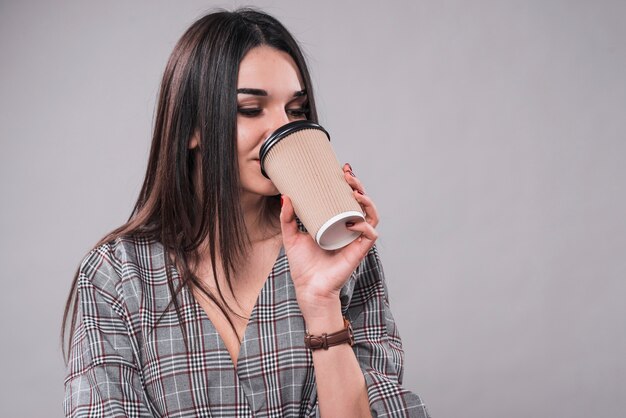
<point x="249" y="112"/>
<point x="296" y="113"/>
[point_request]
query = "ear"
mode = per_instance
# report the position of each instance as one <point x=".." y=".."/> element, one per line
<point x="194" y="140"/>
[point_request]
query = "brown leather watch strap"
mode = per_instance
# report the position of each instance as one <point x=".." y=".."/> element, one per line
<point x="315" y="342"/>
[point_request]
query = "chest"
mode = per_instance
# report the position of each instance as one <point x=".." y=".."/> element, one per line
<point x="230" y="312"/>
<point x="273" y="375"/>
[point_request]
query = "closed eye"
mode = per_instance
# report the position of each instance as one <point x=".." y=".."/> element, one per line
<point x="298" y="113"/>
<point x="249" y="112"/>
<point x="299" y="108"/>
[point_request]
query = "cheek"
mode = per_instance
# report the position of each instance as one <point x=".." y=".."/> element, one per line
<point x="245" y="137"/>
<point x="245" y="147"/>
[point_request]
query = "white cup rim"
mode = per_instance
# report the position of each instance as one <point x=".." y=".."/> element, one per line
<point x="333" y="234"/>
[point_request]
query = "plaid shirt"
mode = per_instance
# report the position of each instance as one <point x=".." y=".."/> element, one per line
<point x="125" y="363"/>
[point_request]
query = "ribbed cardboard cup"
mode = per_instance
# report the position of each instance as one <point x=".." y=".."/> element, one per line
<point x="301" y="163"/>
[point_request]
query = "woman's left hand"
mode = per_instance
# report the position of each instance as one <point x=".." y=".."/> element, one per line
<point x="318" y="274"/>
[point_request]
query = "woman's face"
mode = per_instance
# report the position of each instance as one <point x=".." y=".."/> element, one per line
<point x="269" y="94"/>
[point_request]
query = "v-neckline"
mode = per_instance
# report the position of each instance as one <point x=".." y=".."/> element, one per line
<point x="204" y="317"/>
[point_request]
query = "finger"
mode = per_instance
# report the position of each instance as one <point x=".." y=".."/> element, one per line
<point x="288" y="224"/>
<point x="365" y="241"/>
<point x="371" y="213"/>
<point x="367" y="230"/>
<point x="351" y="178"/>
<point x="354" y="182"/>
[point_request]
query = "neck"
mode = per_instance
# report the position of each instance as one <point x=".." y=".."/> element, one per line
<point x="258" y="228"/>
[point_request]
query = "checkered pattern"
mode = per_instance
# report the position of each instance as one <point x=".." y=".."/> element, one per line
<point x="125" y="362"/>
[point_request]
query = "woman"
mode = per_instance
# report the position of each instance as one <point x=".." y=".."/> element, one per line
<point x="199" y="304"/>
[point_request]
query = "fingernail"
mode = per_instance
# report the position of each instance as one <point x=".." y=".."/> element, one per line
<point x="351" y="173"/>
<point x="349" y="224"/>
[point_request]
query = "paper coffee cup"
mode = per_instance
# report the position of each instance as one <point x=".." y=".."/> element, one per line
<point x="301" y="163"/>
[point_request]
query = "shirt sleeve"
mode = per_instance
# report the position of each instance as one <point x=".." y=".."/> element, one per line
<point x="103" y="379"/>
<point x="378" y="346"/>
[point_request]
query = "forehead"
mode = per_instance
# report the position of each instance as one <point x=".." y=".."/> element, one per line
<point x="267" y="68"/>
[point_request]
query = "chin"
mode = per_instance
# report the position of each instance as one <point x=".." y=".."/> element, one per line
<point x="272" y="191"/>
<point x="266" y="188"/>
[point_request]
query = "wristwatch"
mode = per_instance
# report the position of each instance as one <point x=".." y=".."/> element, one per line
<point x="315" y="342"/>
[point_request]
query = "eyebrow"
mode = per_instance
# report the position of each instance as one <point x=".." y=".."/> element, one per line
<point x="254" y="92"/>
<point x="260" y="92"/>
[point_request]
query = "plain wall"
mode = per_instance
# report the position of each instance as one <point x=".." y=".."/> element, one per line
<point x="491" y="135"/>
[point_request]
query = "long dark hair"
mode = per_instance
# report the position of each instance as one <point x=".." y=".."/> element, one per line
<point x="198" y="96"/>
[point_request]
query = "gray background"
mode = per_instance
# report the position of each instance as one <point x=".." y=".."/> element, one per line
<point x="491" y="134"/>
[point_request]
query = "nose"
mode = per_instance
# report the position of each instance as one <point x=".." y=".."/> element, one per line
<point x="276" y="118"/>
